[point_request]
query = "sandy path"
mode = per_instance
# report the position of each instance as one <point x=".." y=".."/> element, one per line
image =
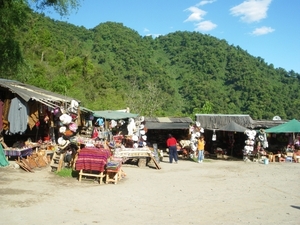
<point x="214" y="192"/>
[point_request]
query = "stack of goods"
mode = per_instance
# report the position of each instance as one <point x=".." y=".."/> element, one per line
<point x="249" y="147"/>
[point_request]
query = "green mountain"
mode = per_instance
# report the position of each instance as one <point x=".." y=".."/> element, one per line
<point x="179" y="74"/>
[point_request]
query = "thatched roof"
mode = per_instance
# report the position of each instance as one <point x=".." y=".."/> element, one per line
<point x="216" y="121"/>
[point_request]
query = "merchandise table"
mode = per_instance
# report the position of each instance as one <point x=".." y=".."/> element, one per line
<point x="91" y="160"/>
<point x="142" y="154"/>
<point x="20" y="153"/>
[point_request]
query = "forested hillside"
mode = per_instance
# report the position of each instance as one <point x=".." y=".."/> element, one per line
<point x="179" y="74"/>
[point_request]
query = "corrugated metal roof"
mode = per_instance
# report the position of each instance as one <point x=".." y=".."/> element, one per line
<point x="27" y="92"/>
<point x="164" y="123"/>
<point x="215" y="121"/>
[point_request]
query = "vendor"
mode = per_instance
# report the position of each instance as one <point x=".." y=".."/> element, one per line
<point x="296" y="154"/>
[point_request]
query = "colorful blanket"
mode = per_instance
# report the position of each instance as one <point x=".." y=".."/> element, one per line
<point x="18" y="152"/>
<point x="93" y="159"/>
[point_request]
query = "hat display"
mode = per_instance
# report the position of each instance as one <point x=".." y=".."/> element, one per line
<point x="65" y="119"/>
<point x="73" y="127"/>
<point x="62" y="129"/>
<point x="141" y="126"/>
<point x="198" y="124"/>
<point x="135" y="138"/>
<point x="135" y="145"/>
<point x="57" y="112"/>
<point x="62" y="143"/>
<point x="144" y="137"/>
<point x="113" y="123"/>
<point x="142" y="132"/>
<point x="74" y="104"/>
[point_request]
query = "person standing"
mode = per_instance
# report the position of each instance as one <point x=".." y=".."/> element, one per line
<point x="171" y="144"/>
<point x="200" y="149"/>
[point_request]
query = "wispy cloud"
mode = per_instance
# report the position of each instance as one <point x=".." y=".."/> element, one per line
<point x="204" y="2"/>
<point x="205" y="26"/>
<point x="146" y="30"/>
<point x="251" y="10"/>
<point x="262" y="31"/>
<point x="197" y="14"/>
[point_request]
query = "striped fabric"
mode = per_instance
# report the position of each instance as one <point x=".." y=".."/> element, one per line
<point x="93" y="159"/>
<point x="18" y="152"/>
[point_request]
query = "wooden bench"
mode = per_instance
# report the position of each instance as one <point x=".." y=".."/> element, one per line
<point x="101" y="175"/>
<point x="114" y="175"/>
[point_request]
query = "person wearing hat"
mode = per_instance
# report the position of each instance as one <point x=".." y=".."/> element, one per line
<point x="171" y="144"/>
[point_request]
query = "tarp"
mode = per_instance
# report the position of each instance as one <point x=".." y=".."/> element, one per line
<point x="233" y="127"/>
<point x="293" y="126"/>
<point x="114" y="115"/>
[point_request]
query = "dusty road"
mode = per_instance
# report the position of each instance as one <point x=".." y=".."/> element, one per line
<point x="214" y="192"/>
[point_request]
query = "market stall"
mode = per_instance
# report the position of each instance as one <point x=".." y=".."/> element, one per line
<point x="33" y="119"/>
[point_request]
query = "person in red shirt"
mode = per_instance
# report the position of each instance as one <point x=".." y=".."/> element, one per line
<point x="171" y="144"/>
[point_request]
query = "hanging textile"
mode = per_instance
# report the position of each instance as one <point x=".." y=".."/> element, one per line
<point x="33" y="116"/>
<point x="18" y="116"/>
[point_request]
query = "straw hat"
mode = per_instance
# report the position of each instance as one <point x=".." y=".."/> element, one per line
<point x="144" y="137"/>
<point x="65" y="119"/>
<point x="62" y="143"/>
<point x="135" y="138"/>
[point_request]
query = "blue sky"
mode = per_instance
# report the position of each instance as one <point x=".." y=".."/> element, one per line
<point x="269" y="29"/>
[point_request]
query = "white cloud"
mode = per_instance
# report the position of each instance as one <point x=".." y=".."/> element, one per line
<point x="197" y="14"/>
<point x="251" y="10"/>
<point x="154" y="35"/>
<point x="262" y="30"/>
<point x="205" y="26"/>
<point x="146" y="30"/>
<point x="204" y="2"/>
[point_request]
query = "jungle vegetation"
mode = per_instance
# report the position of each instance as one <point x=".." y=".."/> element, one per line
<point x="112" y="67"/>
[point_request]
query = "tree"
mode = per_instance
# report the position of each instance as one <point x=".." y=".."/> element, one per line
<point x="14" y="14"/>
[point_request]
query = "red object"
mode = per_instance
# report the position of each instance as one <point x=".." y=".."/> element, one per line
<point x="93" y="159"/>
<point x="171" y="142"/>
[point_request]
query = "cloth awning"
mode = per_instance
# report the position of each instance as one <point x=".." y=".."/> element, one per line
<point x="293" y="126"/>
<point x="114" y="115"/>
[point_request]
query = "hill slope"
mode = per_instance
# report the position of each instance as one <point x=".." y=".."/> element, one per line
<point x="179" y="74"/>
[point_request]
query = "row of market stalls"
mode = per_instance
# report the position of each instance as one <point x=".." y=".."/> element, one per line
<point x="239" y="135"/>
<point x="36" y="118"/>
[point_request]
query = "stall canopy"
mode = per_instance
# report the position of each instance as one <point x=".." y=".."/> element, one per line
<point x="233" y="127"/>
<point x="27" y="92"/>
<point x="114" y="115"/>
<point x="293" y="126"/>
<point x="168" y="123"/>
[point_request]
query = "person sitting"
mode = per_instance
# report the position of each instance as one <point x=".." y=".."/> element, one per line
<point x="296" y="155"/>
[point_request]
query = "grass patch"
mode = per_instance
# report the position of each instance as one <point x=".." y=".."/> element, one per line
<point x="65" y="172"/>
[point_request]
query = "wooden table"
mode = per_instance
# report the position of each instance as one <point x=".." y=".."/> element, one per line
<point x="142" y="154"/>
<point x="18" y="152"/>
<point x="91" y="162"/>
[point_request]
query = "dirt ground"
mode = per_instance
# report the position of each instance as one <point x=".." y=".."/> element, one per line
<point x="213" y="192"/>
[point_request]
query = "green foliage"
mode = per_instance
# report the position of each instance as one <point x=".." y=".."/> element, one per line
<point x="178" y="74"/>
